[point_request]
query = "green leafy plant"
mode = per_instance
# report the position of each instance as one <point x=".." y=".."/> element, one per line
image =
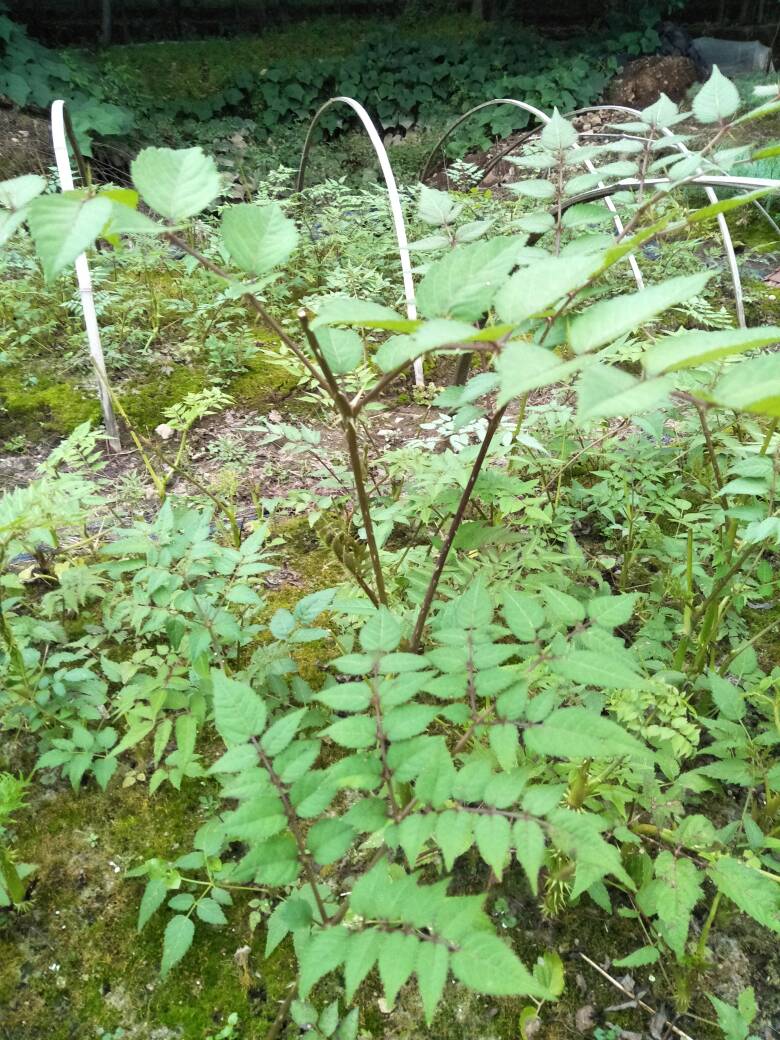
<point x="494" y="687"/>
<point x="32" y="75"/>
<point x="12" y="874"/>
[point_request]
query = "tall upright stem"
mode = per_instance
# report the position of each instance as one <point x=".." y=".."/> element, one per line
<point x="444" y="552"/>
<point x="365" y="507"/>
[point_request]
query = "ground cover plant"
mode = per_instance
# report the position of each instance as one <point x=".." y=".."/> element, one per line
<point x="264" y="90"/>
<point x="540" y="682"/>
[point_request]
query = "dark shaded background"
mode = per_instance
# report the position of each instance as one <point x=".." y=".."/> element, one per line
<point x="125" y="21"/>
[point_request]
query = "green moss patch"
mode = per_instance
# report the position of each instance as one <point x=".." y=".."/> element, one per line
<point x="74" y="965"/>
<point x="37" y="406"/>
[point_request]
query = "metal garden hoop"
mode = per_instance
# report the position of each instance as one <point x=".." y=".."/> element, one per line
<point x="62" y="135"/>
<point x="543" y="118"/>
<point x="728" y="245"/>
<point x="725" y="234"/>
<point x="393" y="196"/>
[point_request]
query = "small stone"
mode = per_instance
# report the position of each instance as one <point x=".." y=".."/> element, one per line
<point x="164" y="431"/>
<point x="585" y="1020"/>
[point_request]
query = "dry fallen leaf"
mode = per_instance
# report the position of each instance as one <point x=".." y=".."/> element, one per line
<point x="585" y="1018"/>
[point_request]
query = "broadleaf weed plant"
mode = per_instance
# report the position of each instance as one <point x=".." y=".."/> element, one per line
<point x="543" y="654"/>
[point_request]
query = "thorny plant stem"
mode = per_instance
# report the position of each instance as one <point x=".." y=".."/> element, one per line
<point x="253" y="304"/>
<point x="350" y="432"/>
<point x="143" y="444"/>
<point x="292" y="823"/>
<point x="366" y="397"/>
<point x="284" y="1010"/>
<point x="711" y="452"/>
<point x="455" y="523"/>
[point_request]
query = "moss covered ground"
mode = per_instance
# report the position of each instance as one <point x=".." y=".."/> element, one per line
<point x="73" y="966"/>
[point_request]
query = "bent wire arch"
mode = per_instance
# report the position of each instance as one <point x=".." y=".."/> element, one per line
<point x="712" y="197"/>
<point x="393" y="196"/>
<point x="62" y="134"/>
<point x="543" y="119"/>
<point x="725" y="234"/>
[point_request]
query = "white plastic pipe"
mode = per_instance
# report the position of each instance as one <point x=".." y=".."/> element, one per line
<point x="393" y="196"/>
<point x="59" y="134"/>
<point x="728" y="245"/>
<point x="543" y="118"/>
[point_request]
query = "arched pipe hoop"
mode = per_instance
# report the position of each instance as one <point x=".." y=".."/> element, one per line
<point x="62" y="134"/>
<point x="542" y="119"/>
<point x="702" y="181"/>
<point x="393" y="196"/>
<point x="728" y="245"/>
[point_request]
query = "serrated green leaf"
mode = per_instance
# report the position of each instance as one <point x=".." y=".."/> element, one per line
<point x="432" y="966"/>
<point x="325" y="951"/>
<point x="278" y="736"/>
<point x="356" y="732"/>
<point x="463" y="283"/>
<point x="341" y="348"/>
<point x="558" y="134"/>
<point x="210" y="911"/>
<point x="396" y="962"/>
<point x="688" y="349"/>
<point x="275" y="860"/>
<point x="637" y="959"/>
<point x="671" y="896"/>
<point x="434" y="781"/>
<point x="609" y="320"/>
<point x="612" y="611"/>
<point x="729" y="699"/>
<point x="504" y="744"/>
<point x="258" y="238"/>
<point x="176" y="183"/>
<point x="179" y="933"/>
<point x="381" y="634"/>
<point x="604" y="391"/>
<point x="344" y="310"/>
<point x="717" y="100"/>
<point x="329" y="840"/>
<point x="413" y="832"/>
<point x="534" y="289"/>
<point x="493" y="835"/>
<point x="524" y="366"/>
<point x="361" y="954"/>
<point x="474" y="608"/>
<point x="533" y="189"/>
<point x="430" y="336"/>
<point x="18" y="191"/>
<point x="152" y="899"/>
<point x="753" y="892"/>
<point x="562" y="607"/>
<point x="576" y="733"/>
<point x="64" y="226"/>
<point x="10" y="223"/>
<point x="437" y="207"/>
<point x="485" y="964"/>
<point x="239" y="713"/>
<point x="454" y="835"/>
<point x="523" y="614"/>
<point x="528" y="840"/>
<point x="752" y="385"/>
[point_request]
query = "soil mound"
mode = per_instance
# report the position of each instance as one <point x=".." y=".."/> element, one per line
<point x="25" y="143"/>
<point x="641" y="82"/>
